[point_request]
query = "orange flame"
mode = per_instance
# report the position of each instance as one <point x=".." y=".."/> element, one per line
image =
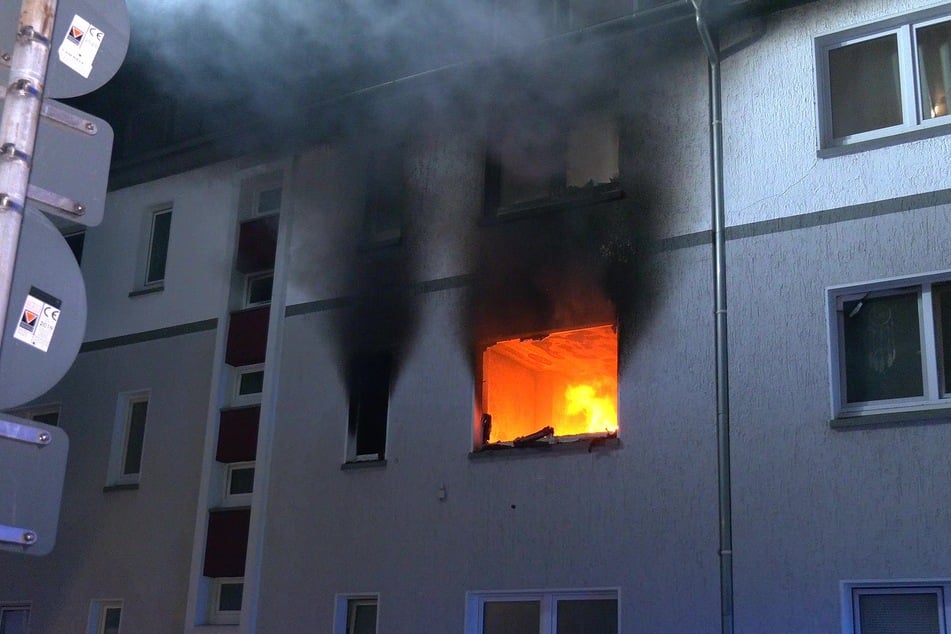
<point x="587" y="411"/>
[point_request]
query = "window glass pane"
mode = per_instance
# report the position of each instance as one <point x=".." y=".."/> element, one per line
<point x="934" y="69"/>
<point x="943" y="323"/>
<point x="14" y="620"/>
<point x="241" y="481"/>
<point x="229" y="597"/>
<point x="269" y="200"/>
<point x="76" y="242"/>
<point x="906" y="613"/>
<point x="511" y="617"/>
<point x="584" y="616"/>
<point x="362" y="617"/>
<point x="865" y="90"/>
<point x="260" y="289"/>
<point x="110" y="620"/>
<point x="882" y="348"/>
<point x="251" y="383"/>
<point x="48" y="418"/>
<point x="136" y="435"/>
<point x="158" y="246"/>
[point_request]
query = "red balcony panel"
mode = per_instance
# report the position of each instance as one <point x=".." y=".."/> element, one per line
<point x="226" y="544"/>
<point x="247" y="336"/>
<point x="238" y="434"/>
<point x="257" y="244"/>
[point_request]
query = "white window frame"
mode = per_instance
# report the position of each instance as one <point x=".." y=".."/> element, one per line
<point x="256" y="204"/>
<point x="249" y="278"/>
<point x="853" y="588"/>
<point x="342" y="613"/>
<point x="97" y="614"/>
<point x="238" y="399"/>
<point x="934" y="396"/>
<point x="150" y="244"/>
<point x="252" y="186"/>
<point x="229" y="499"/>
<point x="31" y="413"/>
<point x="120" y="438"/>
<point x="18" y="606"/>
<point x="548" y="601"/>
<point x="904" y="27"/>
<point x="217" y="616"/>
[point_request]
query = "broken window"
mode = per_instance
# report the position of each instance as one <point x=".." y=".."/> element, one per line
<point x="550" y="388"/>
<point x="369" y="402"/>
<point x="541" y="161"/>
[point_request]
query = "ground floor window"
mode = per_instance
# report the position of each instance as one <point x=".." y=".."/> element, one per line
<point x="909" y="607"/>
<point x="14" y="619"/>
<point x="356" y="614"/>
<point x="562" y="612"/>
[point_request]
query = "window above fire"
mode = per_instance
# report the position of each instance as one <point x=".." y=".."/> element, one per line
<point x="556" y="387"/>
<point x="539" y="162"/>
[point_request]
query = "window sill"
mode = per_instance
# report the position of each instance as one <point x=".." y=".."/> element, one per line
<point x="131" y="486"/>
<point x="893" y="419"/>
<point x="147" y="291"/>
<point x="886" y="140"/>
<point x="573" y="198"/>
<point x="359" y="465"/>
<point x="544" y="447"/>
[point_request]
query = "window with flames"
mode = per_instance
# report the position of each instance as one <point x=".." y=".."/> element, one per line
<point x="556" y="387"/>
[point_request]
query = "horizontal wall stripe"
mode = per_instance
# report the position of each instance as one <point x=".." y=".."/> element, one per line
<point x="428" y="286"/>
<point x="698" y="239"/>
<point x="149" y="335"/>
<point x="810" y="220"/>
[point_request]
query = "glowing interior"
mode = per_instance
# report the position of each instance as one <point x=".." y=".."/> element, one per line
<point x="566" y="380"/>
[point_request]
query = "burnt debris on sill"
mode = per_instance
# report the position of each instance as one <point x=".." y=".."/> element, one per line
<point x="567" y="198"/>
<point x="544" y="440"/>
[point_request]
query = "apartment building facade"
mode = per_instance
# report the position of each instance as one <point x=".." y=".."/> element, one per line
<point x="455" y="370"/>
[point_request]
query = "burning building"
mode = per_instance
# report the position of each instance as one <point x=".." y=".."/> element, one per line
<point x="449" y="357"/>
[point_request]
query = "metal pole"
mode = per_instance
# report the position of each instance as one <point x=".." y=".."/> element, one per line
<point x="721" y="342"/>
<point x="21" y="113"/>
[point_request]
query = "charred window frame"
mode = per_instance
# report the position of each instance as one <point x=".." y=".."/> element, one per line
<point x="890" y="350"/>
<point x="385" y="200"/>
<point x="538" y="161"/>
<point x="885" y="83"/>
<point x="370" y="376"/>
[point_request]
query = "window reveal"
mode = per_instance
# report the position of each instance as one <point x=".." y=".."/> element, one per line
<point x="563" y="384"/>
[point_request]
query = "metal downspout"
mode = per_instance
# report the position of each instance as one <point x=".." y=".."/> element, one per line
<point x="721" y="341"/>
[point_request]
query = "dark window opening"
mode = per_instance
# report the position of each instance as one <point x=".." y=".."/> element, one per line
<point x="158" y="246"/>
<point x="76" y="241"/>
<point x="369" y="402"/>
<point x="385" y="197"/>
<point x="550" y="163"/>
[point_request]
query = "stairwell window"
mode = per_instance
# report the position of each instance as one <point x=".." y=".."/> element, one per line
<point x="891" y="345"/>
<point x="891" y="79"/>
